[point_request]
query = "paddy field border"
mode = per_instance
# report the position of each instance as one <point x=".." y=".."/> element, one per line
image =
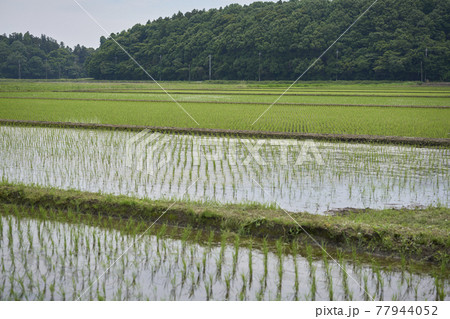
<point x="401" y="140"/>
<point x="396" y="233"/>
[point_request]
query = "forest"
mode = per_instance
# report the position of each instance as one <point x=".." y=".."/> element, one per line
<point x="394" y="40"/>
<point x="30" y="57"/>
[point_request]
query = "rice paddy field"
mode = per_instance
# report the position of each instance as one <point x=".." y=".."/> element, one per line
<point x="51" y="260"/>
<point x="59" y="250"/>
<point x="321" y="108"/>
<point x="349" y="175"/>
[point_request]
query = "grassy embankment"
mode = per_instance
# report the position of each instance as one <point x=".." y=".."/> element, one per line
<point x="420" y="234"/>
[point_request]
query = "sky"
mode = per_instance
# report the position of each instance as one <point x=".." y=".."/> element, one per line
<point x="64" y="20"/>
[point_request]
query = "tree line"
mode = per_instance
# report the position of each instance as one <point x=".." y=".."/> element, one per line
<point x="27" y="56"/>
<point x="394" y="40"/>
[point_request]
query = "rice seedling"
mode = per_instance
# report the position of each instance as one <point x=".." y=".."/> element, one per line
<point x="198" y="235"/>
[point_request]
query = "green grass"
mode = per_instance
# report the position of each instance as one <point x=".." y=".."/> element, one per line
<point x="390" y="121"/>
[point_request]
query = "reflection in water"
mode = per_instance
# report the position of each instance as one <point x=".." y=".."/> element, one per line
<point x="46" y="260"/>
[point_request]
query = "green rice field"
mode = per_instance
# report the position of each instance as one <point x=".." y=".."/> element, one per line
<point x="357" y="109"/>
<point x="100" y="214"/>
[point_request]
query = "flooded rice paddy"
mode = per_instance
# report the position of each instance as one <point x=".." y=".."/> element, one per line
<point x="51" y="260"/>
<point x="298" y="176"/>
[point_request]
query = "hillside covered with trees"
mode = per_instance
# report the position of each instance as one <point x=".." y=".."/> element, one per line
<point x="395" y="40"/>
<point x="280" y="40"/>
<point x="27" y="56"/>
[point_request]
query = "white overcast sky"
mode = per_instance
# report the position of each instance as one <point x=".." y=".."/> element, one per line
<point x="64" y="21"/>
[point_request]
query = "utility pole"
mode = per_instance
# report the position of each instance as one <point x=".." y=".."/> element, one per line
<point x="259" y="70"/>
<point x="337" y="58"/>
<point x="425" y="64"/>
<point x="20" y="75"/>
<point x="46" y="69"/>
<point x="210" y="67"/>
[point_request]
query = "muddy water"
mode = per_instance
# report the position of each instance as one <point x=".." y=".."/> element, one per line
<point x="43" y="260"/>
<point x="329" y="176"/>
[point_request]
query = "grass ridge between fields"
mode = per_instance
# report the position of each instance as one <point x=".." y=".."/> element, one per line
<point x="421" y="234"/>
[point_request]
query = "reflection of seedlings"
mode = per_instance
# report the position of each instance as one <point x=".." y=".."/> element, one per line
<point x="250" y="261"/>
<point x="210" y="240"/>
<point x="266" y="252"/>
<point x="347" y="293"/>
<point x="440" y="288"/>
<point x="309" y="255"/>
<point x="237" y="240"/>
<point x="329" y="277"/>
<point x="205" y="253"/>
<point x="227" y="285"/>
<point x="173" y="283"/>
<point x="183" y="271"/>
<point x="366" y="291"/>
<point x="242" y="295"/>
<point x="279" y="246"/>
<point x="380" y="280"/>
<point x="294" y="258"/>
<point x="141" y="275"/>
<point x="223" y="244"/>
<point x="186" y="233"/>
<point x="403" y="265"/>
<point x="211" y="280"/>
<point x="313" y="287"/>
<point x="193" y="285"/>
